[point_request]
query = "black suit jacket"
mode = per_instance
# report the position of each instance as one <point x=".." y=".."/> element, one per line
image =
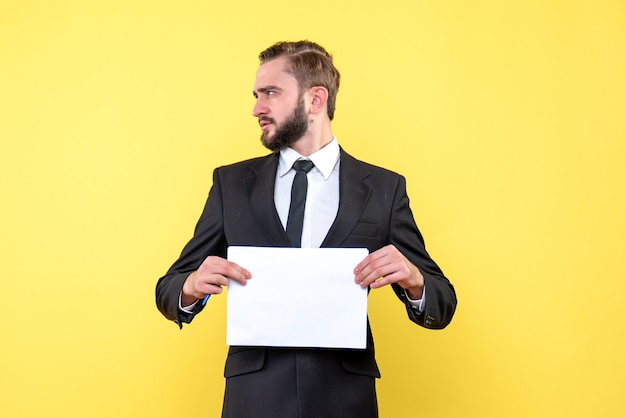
<point x="373" y="212"/>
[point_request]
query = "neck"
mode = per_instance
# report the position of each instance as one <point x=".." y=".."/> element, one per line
<point x="314" y="140"/>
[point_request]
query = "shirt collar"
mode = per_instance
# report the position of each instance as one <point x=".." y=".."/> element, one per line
<point x="324" y="159"/>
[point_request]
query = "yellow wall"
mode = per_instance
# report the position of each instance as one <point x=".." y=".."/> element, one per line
<point x="506" y="117"/>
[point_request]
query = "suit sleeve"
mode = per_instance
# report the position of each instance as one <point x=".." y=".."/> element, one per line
<point x="404" y="234"/>
<point x="208" y="239"/>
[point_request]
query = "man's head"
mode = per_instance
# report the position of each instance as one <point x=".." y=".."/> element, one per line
<point x="296" y="84"/>
<point x="310" y="65"/>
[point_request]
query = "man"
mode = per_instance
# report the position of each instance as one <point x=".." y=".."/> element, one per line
<point x="349" y="204"/>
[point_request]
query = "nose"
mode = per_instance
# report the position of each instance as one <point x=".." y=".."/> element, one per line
<point x="260" y="108"/>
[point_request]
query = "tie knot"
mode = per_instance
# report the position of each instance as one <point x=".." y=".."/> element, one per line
<point x="303" y="165"/>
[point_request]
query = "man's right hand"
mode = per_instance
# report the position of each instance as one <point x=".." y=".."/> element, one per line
<point x="213" y="273"/>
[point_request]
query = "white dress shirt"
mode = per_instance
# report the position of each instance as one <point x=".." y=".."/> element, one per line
<point x="322" y="200"/>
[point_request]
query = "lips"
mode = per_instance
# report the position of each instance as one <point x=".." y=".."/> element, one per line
<point x="265" y="122"/>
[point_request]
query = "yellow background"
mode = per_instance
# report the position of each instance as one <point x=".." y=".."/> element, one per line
<point x="506" y="117"/>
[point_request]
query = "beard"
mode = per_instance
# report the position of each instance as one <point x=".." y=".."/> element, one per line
<point x="288" y="132"/>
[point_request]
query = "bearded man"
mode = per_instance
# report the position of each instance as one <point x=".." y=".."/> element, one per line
<point x="348" y="203"/>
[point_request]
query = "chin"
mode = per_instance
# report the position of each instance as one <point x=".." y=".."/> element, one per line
<point x="269" y="143"/>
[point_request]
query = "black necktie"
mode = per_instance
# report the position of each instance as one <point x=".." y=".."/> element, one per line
<point x="298" y="199"/>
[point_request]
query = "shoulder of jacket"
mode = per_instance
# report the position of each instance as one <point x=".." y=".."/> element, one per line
<point x="373" y="169"/>
<point x="246" y="164"/>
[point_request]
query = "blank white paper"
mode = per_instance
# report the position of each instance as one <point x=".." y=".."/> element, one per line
<point x="297" y="297"/>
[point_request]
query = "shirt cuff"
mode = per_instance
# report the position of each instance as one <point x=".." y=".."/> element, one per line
<point x="417" y="305"/>
<point x="187" y="309"/>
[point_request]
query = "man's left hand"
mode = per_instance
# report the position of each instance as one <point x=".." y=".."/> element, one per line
<point x="387" y="265"/>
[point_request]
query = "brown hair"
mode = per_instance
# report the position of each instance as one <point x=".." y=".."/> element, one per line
<point x="310" y="64"/>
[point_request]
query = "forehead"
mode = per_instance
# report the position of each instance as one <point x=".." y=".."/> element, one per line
<point x="273" y="73"/>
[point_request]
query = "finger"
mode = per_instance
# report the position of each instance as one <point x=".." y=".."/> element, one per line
<point x="363" y="272"/>
<point x="403" y="273"/>
<point x="217" y="268"/>
<point x="374" y="266"/>
<point x="371" y="257"/>
<point x="239" y="274"/>
<point x="385" y="280"/>
<point x="211" y="289"/>
<point x="374" y="274"/>
<point x="232" y="271"/>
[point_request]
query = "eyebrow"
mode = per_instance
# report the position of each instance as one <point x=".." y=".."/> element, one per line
<point x="266" y="89"/>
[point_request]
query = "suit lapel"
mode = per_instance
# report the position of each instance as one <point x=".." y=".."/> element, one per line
<point x="353" y="194"/>
<point x="260" y="190"/>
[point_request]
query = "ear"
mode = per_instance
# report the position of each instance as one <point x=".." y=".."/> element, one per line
<point x="317" y="98"/>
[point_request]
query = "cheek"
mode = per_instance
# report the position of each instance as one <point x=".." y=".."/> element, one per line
<point x="280" y="115"/>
